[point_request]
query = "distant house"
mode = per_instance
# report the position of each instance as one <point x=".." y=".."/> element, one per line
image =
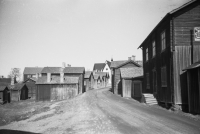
<point x="103" y="67"/>
<point x="32" y="72"/>
<point x="103" y="78"/>
<point x="60" y="83"/>
<point x="19" y="92"/>
<point x="132" y="79"/>
<point x="171" y="47"/>
<point x="4" y="94"/>
<point x="88" y="80"/>
<point x="116" y="74"/>
<point x="96" y="81"/>
<point x="30" y="83"/>
<point x="193" y="87"/>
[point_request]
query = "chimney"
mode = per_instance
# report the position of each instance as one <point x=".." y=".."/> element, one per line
<point x="63" y="65"/>
<point x="48" y="77"/>
<point x="129" y="58"/>
<point x="133" y="58"/>
<point x="111" y="59"/>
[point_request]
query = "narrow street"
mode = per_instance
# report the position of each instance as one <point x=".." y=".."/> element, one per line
<point x="101" y="112"/>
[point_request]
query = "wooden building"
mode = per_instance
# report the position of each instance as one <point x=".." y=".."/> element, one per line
<point x="132" y="82"/>
<point x="116" y="74"/>
<point x="60" y="83"/>
<point x="4" y="95"/>
<point x="32" y="72"/>
<point x="5" y="81"/>
<point x="52" y="87"/>
<point x="193" y="87"/>
<point x="30" y="83"/>
<point x="88" y="80"/>
<point x="167" y="50"/>
<point x="96" y="81"/>
<point x="19" y="92"/>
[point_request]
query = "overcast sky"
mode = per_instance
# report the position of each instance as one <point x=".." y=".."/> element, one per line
<point x="77" y="32"/>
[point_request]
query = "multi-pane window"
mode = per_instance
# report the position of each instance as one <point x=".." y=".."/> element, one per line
<point x="148" y="82"/>
<point x="147" y="54"/>
<point x="153" y="48"/>
<point x="164" y="76"/>
<point x="163" y="40"/>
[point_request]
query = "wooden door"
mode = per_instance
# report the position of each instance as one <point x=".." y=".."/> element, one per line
<point x="137" y="88"/>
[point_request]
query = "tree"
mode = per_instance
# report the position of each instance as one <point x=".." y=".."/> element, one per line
<point x="15" y="73"/>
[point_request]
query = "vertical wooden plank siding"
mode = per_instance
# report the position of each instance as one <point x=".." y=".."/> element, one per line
<point x="182" y="60"/>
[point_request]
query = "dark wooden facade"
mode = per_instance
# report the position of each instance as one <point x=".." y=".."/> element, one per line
<point x="88" y="81"/>
<point x="30" y="83"/>
<point x="180" y="52"/>
<point x="4" y="95"/>
<point x="193" y="87"/>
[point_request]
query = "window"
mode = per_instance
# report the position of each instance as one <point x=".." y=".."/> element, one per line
<point x="154" y="48"/>
<point x="147" y="56"/>
<point x="164" y="76"/>
<point x="148" y="83"/>
<point x="163" y="40"/>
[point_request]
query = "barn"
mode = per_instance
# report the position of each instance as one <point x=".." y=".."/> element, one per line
<point x="4" y="95"/>
<point x="132" y="82"/>
<point x="167" y="50"/>
<point x="19" y="91"/>
<point x="52" y="88"/>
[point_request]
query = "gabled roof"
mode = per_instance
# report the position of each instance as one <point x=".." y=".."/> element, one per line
<point x="131" y="72"/>
<point x="87" y="74"/>
<point x="167" y="15"/>
<point x="18" y="86"/>
<point x="117" y="63"/>
<point x="193" y="66"/>
<point x="32" y="70"/>
<point x="2" y="88"/>
<point x="56" y="70"/>
<point x="32" y="79"/>
<point x="102" y="74"/>
<point x="96" y="76"/>
<point x="99" y="66"/>
<point x="56" y="80"/>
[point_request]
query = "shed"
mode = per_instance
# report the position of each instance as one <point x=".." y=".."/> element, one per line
<point x="30" y="83"/>
<point x="4" y="94"/>
<point x="96" y="80"/>
<point x="131" y="81"/>
<point x="193" y="87"/>
<point x="57" y="88"/>
<point x="19" y="92"/>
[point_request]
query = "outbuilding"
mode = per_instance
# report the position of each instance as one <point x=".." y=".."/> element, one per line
<point x="19" y="92"/>
<point x="88" y="81"/>
<point x="4" y="94"/>
<point x="132" y="82"/>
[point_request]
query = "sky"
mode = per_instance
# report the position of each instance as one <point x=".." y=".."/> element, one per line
<point x="78" y="32"/>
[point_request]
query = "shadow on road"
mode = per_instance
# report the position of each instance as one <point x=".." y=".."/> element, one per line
<point x="6" y="131"/>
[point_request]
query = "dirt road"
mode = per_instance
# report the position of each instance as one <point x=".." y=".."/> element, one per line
<point x="101" y="112"/>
